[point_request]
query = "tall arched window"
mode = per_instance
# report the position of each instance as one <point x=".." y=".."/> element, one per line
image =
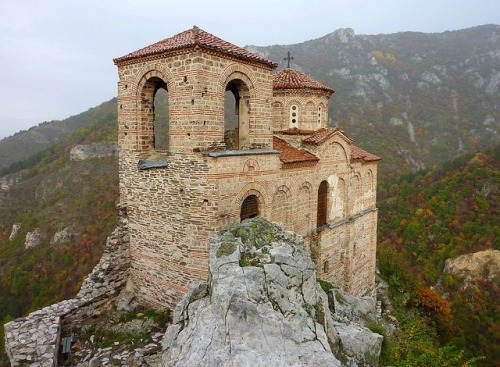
<point x="154" y="114"/>
<point x="161" y="119"/>
<point x="322" y="204"/>
<point x="320" y="111"/>
<point x="236" y="115"/>
<point x="249" y="207"/>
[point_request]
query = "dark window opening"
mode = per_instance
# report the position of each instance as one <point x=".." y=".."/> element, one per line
<point x="231" y="119"/>
<point x="161" y="117"/>
<point x="236" y="115"/>
<point x="249" y="208"/>
<point x="322" y="204"/>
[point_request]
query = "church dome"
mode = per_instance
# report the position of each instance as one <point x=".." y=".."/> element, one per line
<point x="294" y="79"/>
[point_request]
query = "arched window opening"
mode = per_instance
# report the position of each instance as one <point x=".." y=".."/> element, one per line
<point x="322" y="204"/>
<point x="320" y="110"/>
<point x="161" y="117"/>
<point x="294" y="116"/>
<point x="236" y="115"/>
<point x="249" y="208"/>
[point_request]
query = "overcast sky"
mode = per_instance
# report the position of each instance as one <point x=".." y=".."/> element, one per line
<point x="56" y="56"/>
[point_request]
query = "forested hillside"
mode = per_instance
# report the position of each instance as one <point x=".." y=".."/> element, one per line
<point x="24" y="144"/>
<point x="54" y="195"/>
<point x="415" y="99"/>
<point x="426" y="218"/>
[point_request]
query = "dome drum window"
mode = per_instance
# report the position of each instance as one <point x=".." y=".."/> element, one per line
<point x="294" y="116"/>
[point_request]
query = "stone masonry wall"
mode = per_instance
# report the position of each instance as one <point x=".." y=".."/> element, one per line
<point x="173" y="210"/>
<point x="184" y="193"/>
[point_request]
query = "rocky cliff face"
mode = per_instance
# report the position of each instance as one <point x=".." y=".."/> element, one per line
<point x="96" y="150"/>
<point x="262" y="306"/>
<point x="475" y="266"/>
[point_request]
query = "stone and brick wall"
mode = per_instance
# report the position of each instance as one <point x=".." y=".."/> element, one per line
<point x="312" y="110"/>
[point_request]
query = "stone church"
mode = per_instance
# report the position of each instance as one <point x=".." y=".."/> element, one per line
<point x="278" y="160"/>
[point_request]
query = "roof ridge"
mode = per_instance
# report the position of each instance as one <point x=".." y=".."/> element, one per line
<point x="295" y="79"/>
<point x="197" y="38"/>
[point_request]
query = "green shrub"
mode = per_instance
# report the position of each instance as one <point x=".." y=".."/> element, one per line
<point x="326" y="286"/>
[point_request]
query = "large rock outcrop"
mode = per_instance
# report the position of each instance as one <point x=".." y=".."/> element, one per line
<point x="479" y="265"/>
<point x="96" y="150"/>
<point x="261" y="306"/>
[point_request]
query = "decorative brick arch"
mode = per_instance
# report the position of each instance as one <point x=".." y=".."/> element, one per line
<point x="340" y="153"/>
<point x="293" y="101"/>
<point x="369" y="180"/>
<point x="237" y="71"/>
<point x="323" y="112"/>
<point x="257" y="189"/>
<point x="281" y="206"/>
<point x="356" y="186"/>
<point x="150" y="71"/>
<point x="278" y="113"/>
<point x="310" y="113"/>
<point x="248" y="191"/>
<point x="342" y="198"/>
<point x="251" y="164"/>
<point x="145" y="87"/>
<point x="304" y="212"/>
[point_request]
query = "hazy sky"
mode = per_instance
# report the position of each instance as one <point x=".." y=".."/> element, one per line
<point x="56" y="56"/>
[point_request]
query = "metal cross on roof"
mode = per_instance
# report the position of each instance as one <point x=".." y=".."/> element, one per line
<point x="288" y="58"/>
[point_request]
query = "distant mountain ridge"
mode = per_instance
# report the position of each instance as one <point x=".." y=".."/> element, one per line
<point x="416" y="99"/>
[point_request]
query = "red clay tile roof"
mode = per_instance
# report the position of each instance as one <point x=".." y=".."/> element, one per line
<point x="294" y="79"/>
<point x="195" y="37"/>
<point x="358" y="153"/>
<point x="290" y="154"/>
<point x="295" y="131"/>
<point x="319" y="136"/>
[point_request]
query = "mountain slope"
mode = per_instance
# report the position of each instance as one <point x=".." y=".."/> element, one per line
<point x="413" y="98"/>
<point x="25" y="143"/>
<point x="439" y="214"/>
